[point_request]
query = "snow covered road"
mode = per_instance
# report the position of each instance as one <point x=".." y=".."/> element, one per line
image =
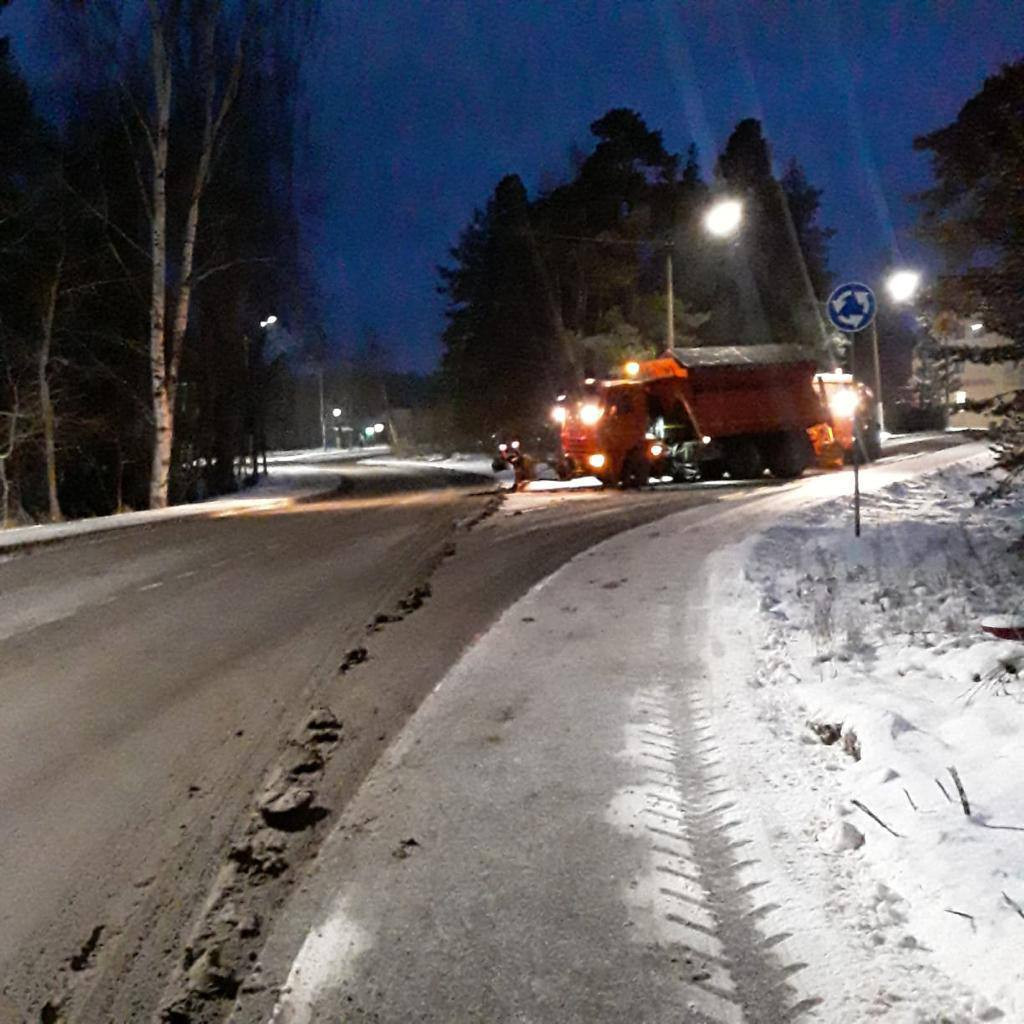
<point x="569" y="829"/>
<point x="151" y="678"/>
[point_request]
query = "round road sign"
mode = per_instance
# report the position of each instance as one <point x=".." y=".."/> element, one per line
<point x="851" y="306"/>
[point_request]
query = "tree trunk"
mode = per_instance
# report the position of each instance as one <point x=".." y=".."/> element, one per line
<point x="163" y="410"/>
<point x="5" y="486"/>
<point x="45" y="399"/>
<point x="5" y="514"/>
<point x="212" y="127"/>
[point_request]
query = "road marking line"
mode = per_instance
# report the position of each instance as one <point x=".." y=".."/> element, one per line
<point x="152" y="586"/>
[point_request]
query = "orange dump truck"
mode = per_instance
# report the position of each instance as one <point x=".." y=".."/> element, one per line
<point x="698" y="411"/>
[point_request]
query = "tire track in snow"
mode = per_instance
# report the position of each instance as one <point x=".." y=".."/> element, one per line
<point x="690" y="891"/>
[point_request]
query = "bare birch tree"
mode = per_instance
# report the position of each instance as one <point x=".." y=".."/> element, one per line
<point x="48" y="420"/>
<point x="166" y="341"/>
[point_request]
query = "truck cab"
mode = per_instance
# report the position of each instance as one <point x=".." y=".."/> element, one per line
<point x="606" y="431"/>
<point x="851" y="408"/>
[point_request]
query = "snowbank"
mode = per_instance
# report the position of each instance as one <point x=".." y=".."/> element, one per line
<point x="287" y="481"/>
<point x="875" y="696"/>
<point x="458" y="462"/>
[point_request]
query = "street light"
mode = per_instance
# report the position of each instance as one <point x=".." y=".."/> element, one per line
<point x="975" y="327"/>
<point x="723" y="219"/>
<point x="336" y="412"/>
<point x="902" y="285"/>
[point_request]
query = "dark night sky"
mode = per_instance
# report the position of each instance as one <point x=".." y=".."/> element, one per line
<point x="418" y="108"/>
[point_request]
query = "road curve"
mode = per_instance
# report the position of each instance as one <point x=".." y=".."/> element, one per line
<point x="554" y="836"/>
<point x="149" y="676"/>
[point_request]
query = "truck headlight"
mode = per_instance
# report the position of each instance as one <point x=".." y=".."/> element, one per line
<point x="590" y="414"/>
<point x="558" y="414"/>
<point x="596" y="461"/>
<point x="843" y="404"/>
<point x="656" y="450"/>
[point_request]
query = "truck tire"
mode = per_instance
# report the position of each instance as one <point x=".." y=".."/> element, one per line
<point x="872" y="443"/>
<point x="635" y="471"/>
<point x="743" y="459"/>
<point x="870" y="447"/>
<point x="789" y="455"/>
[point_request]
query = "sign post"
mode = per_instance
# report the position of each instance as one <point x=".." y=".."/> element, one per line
<point x="851" y="308"/>
<point x="856" y="476"/>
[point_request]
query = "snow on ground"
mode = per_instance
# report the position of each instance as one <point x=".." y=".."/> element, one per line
<point x="877" y="642"/>
<point x="292" y="476"/>
<point x="460" y="462"/>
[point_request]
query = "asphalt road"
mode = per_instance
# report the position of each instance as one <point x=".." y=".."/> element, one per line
<point x="150" y="677"/>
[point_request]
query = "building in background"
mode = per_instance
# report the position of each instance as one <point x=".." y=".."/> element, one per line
<point x="940" y="380"/>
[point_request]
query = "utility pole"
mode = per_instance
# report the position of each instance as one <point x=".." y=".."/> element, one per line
<point x="670" y="326"/>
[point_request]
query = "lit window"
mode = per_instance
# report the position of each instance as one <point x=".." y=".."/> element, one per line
<point x="960" y="398"/>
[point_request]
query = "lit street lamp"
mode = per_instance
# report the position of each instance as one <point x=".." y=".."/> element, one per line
<point x="269" y="321"/>
<point x="336" y="412"/>
<point x="723" y="218"/>
<point x="902" y="285"/>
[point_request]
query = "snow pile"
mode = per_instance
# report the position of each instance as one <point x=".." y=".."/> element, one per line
<point x="909" y="718"/>
<point x="475" y="463"/>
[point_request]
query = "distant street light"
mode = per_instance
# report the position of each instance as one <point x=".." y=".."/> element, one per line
<point x="902" y="285"/>
<point x="336" y="412"/>
<point x="977" y="327"/>
<point x="723" y="219"/>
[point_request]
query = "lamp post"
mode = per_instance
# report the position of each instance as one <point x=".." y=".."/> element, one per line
<point x="257" y="428"/>
<point x="902" y="286"/>
<point x="721" y="220"/>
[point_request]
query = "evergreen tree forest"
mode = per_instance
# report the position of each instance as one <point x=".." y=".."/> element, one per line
<point x="543" y="290"/>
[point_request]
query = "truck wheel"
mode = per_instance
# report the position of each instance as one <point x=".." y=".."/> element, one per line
<point x="789" y="455"/>
<point x="634" y="471"/>
<point x="743" y="460"/>
<point x="872" y="443"/>
<point x="712" y="470"/>
<point x="870" y="447"/>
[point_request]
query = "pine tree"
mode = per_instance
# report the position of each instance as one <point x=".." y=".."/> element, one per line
<point x="780" y="260"/>
<point x="503" y="359"/>
<point x="974" y="215"/>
